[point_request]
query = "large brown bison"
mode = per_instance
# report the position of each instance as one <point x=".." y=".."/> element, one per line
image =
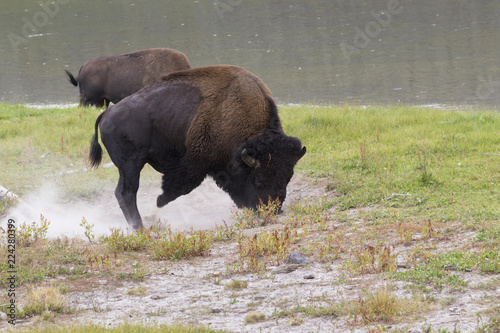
<point x="111" y="79"/>
<point x="219" y="121"/>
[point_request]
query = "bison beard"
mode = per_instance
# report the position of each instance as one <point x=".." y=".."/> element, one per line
<point x="219" y="121"/>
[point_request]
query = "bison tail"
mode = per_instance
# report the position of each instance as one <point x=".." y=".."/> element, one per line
<point x="71" y="78"/>
<point x="95" y="154"/>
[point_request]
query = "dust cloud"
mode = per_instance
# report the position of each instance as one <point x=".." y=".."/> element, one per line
<point x="203" y="208"/>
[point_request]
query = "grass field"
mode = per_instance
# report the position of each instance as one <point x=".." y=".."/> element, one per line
<point x="403" y="176"/>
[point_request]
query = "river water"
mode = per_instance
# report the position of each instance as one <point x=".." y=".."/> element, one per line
<point x="321" y="51"/>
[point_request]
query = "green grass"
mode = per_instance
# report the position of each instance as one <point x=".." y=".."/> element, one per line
<point x="448" y="161"/>
<point x="37" y="144"/>
<point x="46" y="259"/>
<point x="434" y="274"/>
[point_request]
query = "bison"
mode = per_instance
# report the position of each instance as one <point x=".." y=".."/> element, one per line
<point x="219" y="121"/>
<point x="111" y="79"/>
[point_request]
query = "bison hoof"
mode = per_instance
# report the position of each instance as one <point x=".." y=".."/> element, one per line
<point x="161" y="201"/>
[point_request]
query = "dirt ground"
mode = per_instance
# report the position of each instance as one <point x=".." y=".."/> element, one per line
<point x="192" y="291"/>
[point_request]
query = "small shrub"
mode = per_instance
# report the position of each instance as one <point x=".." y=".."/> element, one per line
<point x="177" y="245"/>
<point x="43" y="300"/>
<point x="426" y="177"/>
<point x="264" y="246"/>
<point x="137" y="241"/>
<point x="254" y="317"/>
<point x="380" y="305"/>
<point x="371" y="259"/>
<point x="98" y="262"/>
<point x="236" y="285"/>
<point x="267" y="212"/>
<point x="225" y="232"/>
<point x="29" y="234"/>
<point x="88" y="230"/>
<point x="264" y="215"/>
<point x="296" y="321"/>
<point x="139" y="291"/>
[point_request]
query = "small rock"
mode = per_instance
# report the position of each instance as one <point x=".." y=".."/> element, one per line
<point x="297" y="258"/>
<point x="3" y="316"/>
<point x="285" y="269"/>
<point x="155" y="297"/>
<point x="216" y="310"/>
<point x="449" y="267"/>
<point x="309" y="277"/>
<point x="368" y="247"/>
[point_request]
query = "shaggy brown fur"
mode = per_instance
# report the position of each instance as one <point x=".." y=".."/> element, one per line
<point x="219" y="121"/>
<point x="234" y="107"/>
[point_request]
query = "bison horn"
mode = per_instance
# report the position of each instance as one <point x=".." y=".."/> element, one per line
<point x="302" y="152"/>
<point x="249" y="160"/>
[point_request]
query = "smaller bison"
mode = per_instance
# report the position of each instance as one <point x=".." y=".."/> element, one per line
<point x="219" y="121"/>
<point x="111" y="79"/>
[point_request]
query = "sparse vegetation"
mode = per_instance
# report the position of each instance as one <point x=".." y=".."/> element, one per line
<point x="236" y="285"/>
<point x="414" y="200"/>
<point x="379" y="305"/>
<point x="255" y="252"/>
<point x="29" y="234"/>
<point x="371" y="259"/>
<point x="125" y="328"/>
<point x="136" y="241"/>
<point x="492" y="324"/>
<point x="254" y="317"/>
<point x="138" y="291"/>
<point x="177" y="245"/>
<point x="45" y="301"/>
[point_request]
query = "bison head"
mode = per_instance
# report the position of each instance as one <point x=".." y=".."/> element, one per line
<point x="261" y="169"/>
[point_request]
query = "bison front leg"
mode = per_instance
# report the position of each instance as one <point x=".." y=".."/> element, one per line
<point x="126" y="194"/>
<point x="177" y="183"/>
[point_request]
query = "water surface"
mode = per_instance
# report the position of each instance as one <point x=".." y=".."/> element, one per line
<point x="331" y="51"/>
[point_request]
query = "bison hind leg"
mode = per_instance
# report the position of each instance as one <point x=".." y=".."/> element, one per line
<point x="126" y="194"/>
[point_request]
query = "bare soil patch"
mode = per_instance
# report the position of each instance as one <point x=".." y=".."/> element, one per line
<point x="193" y="291"/>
